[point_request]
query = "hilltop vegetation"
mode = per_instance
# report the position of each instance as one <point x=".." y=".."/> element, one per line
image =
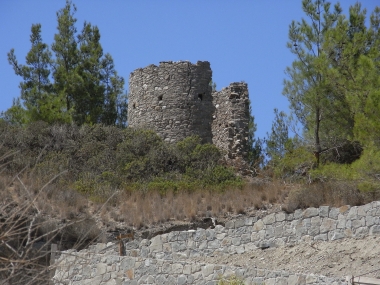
<point x="97" y="160"/>
<point x="71" y="116"/>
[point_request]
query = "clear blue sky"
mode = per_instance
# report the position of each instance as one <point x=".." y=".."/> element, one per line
<point x="242" y="39"/>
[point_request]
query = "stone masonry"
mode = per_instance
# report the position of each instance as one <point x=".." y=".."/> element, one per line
<point x="167" y="258"/>
<point x="230" y="121"/>
<point x="175" y="99"/>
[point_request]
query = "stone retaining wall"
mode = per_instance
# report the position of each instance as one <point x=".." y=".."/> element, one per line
<point x="166" y="259"/>
<point x="89" y="268"/>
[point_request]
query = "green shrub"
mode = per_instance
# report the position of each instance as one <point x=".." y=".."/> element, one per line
<point x="100" y="159"/>
<point x="191" y="153"/>
<point x="213" y="176"/>
<point x="364" y="172"/>
<point x="333" y="171"/>
<point x="232" y="280"/>
<point x="86" y="184"/>
<point x="295" y="163"/>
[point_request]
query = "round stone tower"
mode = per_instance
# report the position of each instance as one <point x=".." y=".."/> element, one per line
<point x="174" y="99"/>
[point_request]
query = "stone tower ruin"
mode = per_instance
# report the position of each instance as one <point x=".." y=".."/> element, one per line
<point x="175" y="99"/>
<point x="230" y="121"/>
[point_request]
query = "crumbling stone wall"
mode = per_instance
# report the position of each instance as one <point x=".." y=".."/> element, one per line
<point x="175" y="99"/>
<point x="231" y="119"/>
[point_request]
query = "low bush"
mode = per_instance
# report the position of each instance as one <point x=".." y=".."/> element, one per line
<point x="232" y="280"/>
<point x="100" y="159"/>
<point x="295" y="164"/>
<point x="364" y="173"/>
<point x="330" y="193"/>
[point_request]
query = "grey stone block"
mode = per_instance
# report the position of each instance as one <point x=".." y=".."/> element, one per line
<point x="375" y="230"/>
<point x="177" y="268"/>
<point x="324" y="211"/>
<point x="321" y="237"/>
<point x="298" y="214"/>
<point x="210" y="234"/>
<point x="358" y="223"/>
<point x="327" y="225"/>
<point x="213" y="244"/>
<point x="258" y="226"/>
<point x="182" y="279"/>
<point x="239" y="223"/>
<point x="278" y="231"/>
<point x="236" y="241"/>
<point x="269" y="232"/>
<point x="336" y="234"/>
<point x="245" y="238"/>
<point x="160" y="279"/>
<point x="207" y="270"/>
<point x="230" y="225"/>
<point x="249" y="221"/>
<point x="281" y="216"/>
<point x="333" y="214"/>
<point x="269" y="219"/>
<point x="361" y="232"/>
<point x="310" y="212"/>
<point x="353" y="213"/>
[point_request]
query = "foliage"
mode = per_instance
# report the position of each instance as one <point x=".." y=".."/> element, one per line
<point x="364" y="172"/>
<point x="332" y="193"/>
<point x="212" y="84"/>
<point x="85" y="88"/>
<point x="278" y="138"/>
<point x="296" y="163"/>
<point x="354" y="50"/>
<point x="322" y="111"/>
<point x="255" y="155"/>
<point x="217" y="175"/>
<point x="37" y="93"/>
<point x="232" y="280"/>
<point x="16" y="114"/>
<point x="333" y="88"/>
<point x="100" y="159"/>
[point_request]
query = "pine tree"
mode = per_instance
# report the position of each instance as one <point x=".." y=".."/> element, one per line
<point x="255" y="145"/>
<point x="37" y="94"/>
<point x="354" y="51"/>
<point x="89" y="95"/>
<point x="278" y="138"/>
<point x="323" y="112"/>
<point x="84" y="75"/>
<point x="115" y="101"/>
<point x="15" y="115"/>
<point x="66" y="78"/>
<point x="86" y="88"/>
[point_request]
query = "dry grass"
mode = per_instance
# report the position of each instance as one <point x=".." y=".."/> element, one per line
<point x="52" y="200"/>
<point x="334" y="193"/>
<point x="138" y="209"/>
<point x="32" y="217"/>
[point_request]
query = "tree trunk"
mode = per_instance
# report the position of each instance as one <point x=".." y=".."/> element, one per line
<point x="316" y="135"/>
